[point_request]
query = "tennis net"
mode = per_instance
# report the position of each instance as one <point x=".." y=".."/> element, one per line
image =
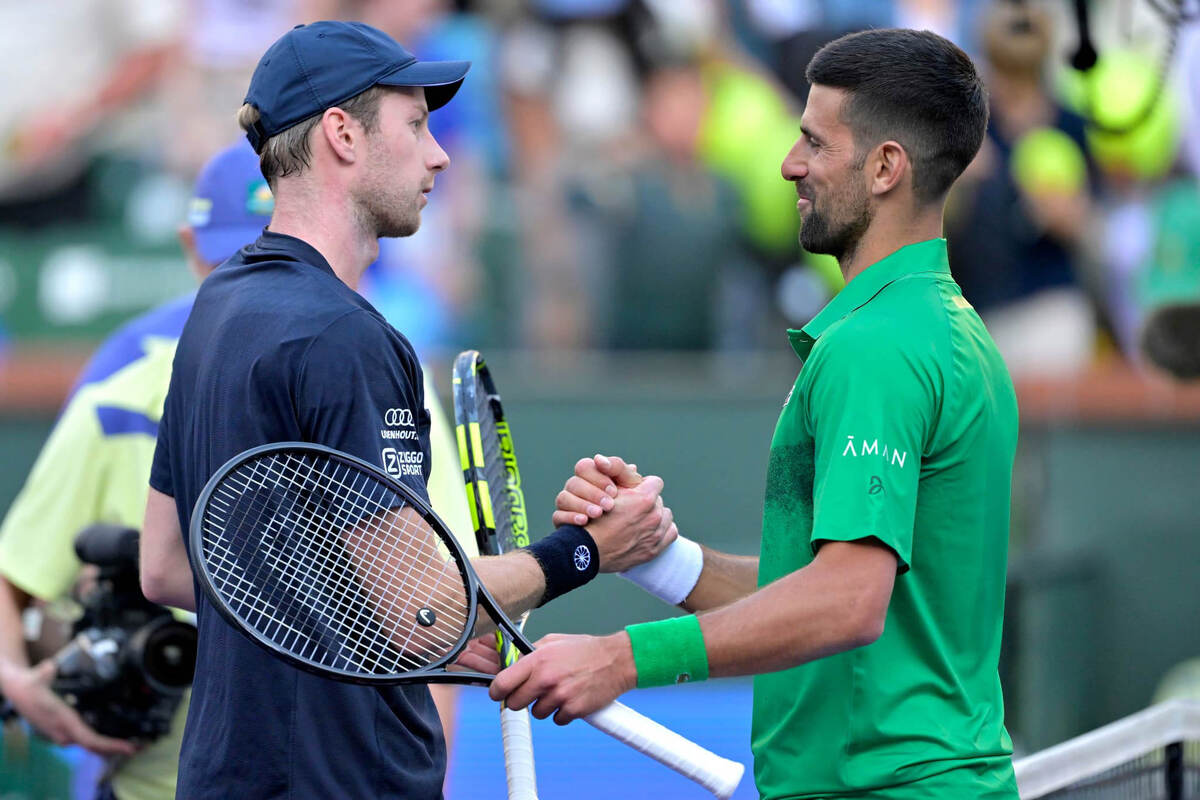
<point x="1147" y="756"/>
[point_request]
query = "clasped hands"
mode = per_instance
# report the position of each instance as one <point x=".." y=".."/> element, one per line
<point x="570" y="676"/>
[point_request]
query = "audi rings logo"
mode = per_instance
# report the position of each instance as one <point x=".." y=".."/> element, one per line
<point x="583" y="558"/>
<point x="398" y="418"/>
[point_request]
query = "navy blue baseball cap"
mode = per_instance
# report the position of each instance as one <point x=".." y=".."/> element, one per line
<point x="230" y="205"/>
<point x="315" y="67"/>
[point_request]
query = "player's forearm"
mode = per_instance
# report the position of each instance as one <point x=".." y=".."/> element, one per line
<point x="166" y="575"/>
<point x="169" y="586"/>
<point x="770" y="631"/>
<point x="515" y="580"/>
<point x="814" y="612"/>
<point x="724" y="579"/>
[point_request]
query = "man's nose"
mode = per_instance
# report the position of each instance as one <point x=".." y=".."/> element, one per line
<point x="794" y="166"/>
<point x="437" y="159"/>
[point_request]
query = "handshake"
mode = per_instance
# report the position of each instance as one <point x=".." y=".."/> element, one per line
<point x="623" y="512"/>
<point x="634" y="532"/>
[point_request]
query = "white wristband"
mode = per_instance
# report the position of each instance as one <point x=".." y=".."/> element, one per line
<point x="672" y="574"/>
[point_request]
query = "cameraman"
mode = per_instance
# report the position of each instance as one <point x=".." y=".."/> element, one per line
<point x="94" y="468"/>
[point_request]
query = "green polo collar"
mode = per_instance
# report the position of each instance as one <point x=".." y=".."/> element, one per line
<point x="926" y="256"/>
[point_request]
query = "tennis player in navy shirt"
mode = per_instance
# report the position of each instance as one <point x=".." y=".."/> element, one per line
<point x="280" y="347"/>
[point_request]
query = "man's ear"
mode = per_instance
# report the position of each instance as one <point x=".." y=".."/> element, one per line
<point x="342" y="133"/>
<point x="889" y="166"/>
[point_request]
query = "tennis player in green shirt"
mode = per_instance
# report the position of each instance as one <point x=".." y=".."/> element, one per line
<point x="872" y="616"/>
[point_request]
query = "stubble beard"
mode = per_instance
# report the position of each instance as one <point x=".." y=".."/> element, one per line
<point x="400" y="221"/>
<point x="387" y="209"/>
<point x="392" y="216"/>
<point x="838" y="232"/>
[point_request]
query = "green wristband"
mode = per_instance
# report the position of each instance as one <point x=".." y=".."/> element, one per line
<point x="668" y="651"/>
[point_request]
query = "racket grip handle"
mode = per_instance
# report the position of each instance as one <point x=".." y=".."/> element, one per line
<point x="518" y="754"/>
<point x="719" y="775"/>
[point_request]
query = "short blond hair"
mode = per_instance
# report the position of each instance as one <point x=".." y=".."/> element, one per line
<point x="288" y="152"/>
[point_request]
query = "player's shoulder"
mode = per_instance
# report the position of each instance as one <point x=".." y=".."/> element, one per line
<point x="907" y="314"/>
<point x="351" y="325"/>
<point x="900" y="332"/>
<point x="916" y="298"/>
<point x="282" y="298"/>
<point x="357" y="341"/>
<point x="881" y="326"/>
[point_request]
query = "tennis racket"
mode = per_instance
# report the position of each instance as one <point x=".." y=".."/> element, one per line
<point x="497" y="504"/>
<point x="339" y="569"/>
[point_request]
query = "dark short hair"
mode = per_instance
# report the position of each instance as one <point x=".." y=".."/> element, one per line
<point x="912" y="87"/>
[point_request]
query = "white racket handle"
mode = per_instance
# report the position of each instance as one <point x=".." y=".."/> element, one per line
<point x="719" y="775"/>
<point x="518" y="754"/>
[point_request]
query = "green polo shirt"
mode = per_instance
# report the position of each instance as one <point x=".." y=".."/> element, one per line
<point x="901" y="426"/>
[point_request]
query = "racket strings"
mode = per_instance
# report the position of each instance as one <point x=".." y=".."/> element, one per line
<point x="250" y="592"/>
<point x="359" y="633"/>
<point x="365" y="638"/>
<point x="372" y="562"/>
<point x="310" y="627"/>
<point x="332" y="566"/>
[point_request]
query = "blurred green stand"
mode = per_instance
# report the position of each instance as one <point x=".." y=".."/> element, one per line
<point x="1104" y="585"/>
<point x="75" y="281"/>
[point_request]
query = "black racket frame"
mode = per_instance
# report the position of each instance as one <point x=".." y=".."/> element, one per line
<point x="433" y="672"/>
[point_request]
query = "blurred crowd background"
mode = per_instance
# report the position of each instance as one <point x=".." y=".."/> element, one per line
<point x="613" y="233"/>
<point x="614" y="180"/>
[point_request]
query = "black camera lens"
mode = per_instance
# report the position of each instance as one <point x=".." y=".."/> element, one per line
<point x="166" y="653"/>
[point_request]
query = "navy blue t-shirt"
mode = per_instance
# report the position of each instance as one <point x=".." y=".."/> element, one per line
<point x="277" y="348"/>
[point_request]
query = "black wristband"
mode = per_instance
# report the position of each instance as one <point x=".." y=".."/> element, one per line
<point x="568" y="558"/>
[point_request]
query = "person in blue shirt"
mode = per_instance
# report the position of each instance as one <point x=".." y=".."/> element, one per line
<point x="280" y="346"/>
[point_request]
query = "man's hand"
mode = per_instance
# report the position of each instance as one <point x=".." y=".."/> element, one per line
<point x="480" y="655"/>
<point x="568" y="676"/>
<point x="637" y="529"/>
<point x="28" y="689"/>
<point x="591" y="491"/>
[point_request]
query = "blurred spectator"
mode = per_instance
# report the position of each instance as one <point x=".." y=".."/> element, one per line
<point x="666" y="228"/>
<point x="221" y="44"/>
<point x="748" y="128"/>
<point x="571" y="94"/>
<point x="1020" y="209"/>
<point x="1143" y="241"/>
<point x="1189" y="70"/>
<point x="578" y="9"/>
<point x="72" y="75"/>
<point x="1171" y="340"/>
<point x="785" y="34"/>
<point x="669" y="153"/>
